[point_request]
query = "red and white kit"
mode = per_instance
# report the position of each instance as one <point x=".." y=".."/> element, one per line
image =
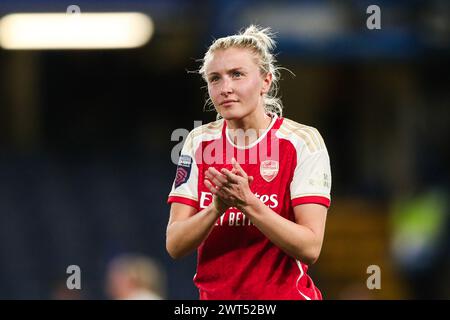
<point x="290" y="166"/>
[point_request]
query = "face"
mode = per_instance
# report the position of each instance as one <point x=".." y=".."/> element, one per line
<point x="235" y="83"/>
<point x="118" y="284"/>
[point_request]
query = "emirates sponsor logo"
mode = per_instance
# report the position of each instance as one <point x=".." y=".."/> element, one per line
<point x="269" y="200"/>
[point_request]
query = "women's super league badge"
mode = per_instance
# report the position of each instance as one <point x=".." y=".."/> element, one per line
<point x="183" y="170"/>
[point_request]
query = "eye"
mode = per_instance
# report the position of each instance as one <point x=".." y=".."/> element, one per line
<point x="237" y="74"/>
<point x="213" y="79"/>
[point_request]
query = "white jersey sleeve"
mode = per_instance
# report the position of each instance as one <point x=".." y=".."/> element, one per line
<point x="185" y="186"/>
<point x="311" y="181"/>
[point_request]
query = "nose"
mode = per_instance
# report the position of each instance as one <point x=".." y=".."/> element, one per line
<point x="226" y="88"/>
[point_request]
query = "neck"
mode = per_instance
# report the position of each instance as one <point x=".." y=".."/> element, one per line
<point x="256" y="122"/>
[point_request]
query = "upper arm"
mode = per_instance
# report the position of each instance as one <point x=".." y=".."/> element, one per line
<point x="313" y="216"/>
<point x="180" y="212"/>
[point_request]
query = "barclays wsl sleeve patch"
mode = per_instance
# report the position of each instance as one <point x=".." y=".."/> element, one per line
<point x="183" y="170"/>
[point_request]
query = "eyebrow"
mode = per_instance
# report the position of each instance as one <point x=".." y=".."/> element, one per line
<point x="230" y="70"/>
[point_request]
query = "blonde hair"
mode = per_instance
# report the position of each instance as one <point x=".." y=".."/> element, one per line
<point x="142" y="271"/>
<point x="260" y="41"/>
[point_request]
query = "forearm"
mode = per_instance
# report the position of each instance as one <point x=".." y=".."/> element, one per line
<point x="185" y="236"/>
<point x="296" y="240"/>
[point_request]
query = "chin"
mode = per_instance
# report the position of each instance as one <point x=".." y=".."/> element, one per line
<point x="231" y="115"/>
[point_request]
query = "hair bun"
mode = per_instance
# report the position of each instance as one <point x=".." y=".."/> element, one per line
<point x="264" y="36"/>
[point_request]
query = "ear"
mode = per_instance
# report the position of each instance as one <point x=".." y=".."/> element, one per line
<point x="267" y="82"/>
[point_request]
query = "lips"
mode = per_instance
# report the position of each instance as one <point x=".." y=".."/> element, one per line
<point x="227" y="102"/>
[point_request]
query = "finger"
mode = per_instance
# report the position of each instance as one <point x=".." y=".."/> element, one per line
<point x="219" y="176"/>
<point x="236" y="172"/>
<point x="227" y="191"/>
<point x="238" y="167"/>
<point x="214" y="179"/>
<point x="223" y="195"/>
<point x="210" y="177"/>
<point x="231" y="177"/>
<point x="210" y="186"/>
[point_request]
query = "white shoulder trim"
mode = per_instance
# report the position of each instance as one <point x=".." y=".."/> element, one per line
<point x="206" y="132"/>
<point x="302" y="134"/>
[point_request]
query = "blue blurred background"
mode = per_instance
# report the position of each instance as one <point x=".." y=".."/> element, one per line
<point x="85" y="141"/>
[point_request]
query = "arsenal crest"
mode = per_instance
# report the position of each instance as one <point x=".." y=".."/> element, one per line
<point x="269" y="169"/>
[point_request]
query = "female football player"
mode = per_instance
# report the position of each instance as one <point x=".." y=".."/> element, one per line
<point x="252" y="189"/>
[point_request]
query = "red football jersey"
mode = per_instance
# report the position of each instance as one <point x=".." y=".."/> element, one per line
<point x="290" y="166"/>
